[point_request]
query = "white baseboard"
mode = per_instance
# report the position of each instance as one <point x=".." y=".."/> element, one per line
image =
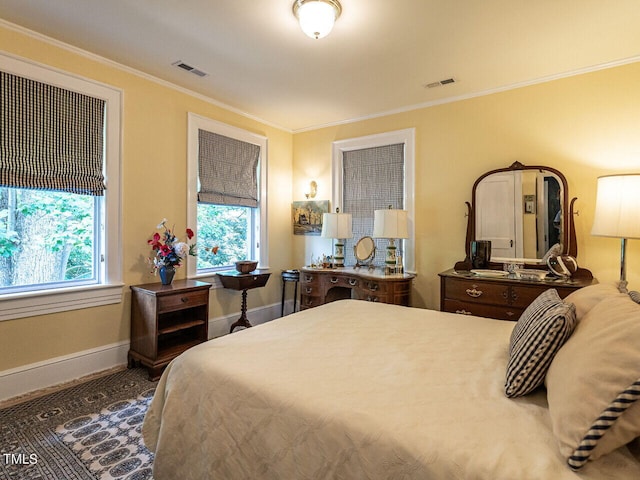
<point x="55" y="371"/>
<point x="36" y="376"/>
<point x="220" y="326"/>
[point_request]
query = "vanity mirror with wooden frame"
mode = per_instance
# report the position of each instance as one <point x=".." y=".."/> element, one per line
<point x="525" y="212"/>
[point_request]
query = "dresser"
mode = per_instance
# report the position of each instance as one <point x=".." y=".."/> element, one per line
<point x="504" y="298"/>
<point x="324" y="285"/>
<point x="166" y="320"/>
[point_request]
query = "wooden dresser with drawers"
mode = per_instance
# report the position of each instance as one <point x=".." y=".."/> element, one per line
<point x="504" y="298"/>
<point x="320" y="286"/>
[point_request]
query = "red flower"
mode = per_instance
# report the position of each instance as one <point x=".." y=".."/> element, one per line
<point x="189" y="233"/>
<point x="155" y="241"/>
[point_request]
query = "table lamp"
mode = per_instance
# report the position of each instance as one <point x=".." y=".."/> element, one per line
<point x="337" y="226"/>
<point x="618" y="212"/>
<point x="390" y="224"/>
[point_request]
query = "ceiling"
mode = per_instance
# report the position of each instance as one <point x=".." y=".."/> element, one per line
<point x="376" y="60"/>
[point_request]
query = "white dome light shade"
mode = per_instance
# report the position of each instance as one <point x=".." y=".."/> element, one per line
<point x="317" y="17"/>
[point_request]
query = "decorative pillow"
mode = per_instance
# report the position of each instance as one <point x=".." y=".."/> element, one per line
<point x="540" y="332"/>
<point x="594" y="381"/>
<point x="586" y="298"/>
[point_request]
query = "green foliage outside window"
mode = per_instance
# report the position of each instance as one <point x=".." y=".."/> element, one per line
<point x="228" y="227"/>
<point x="45" y="237"/>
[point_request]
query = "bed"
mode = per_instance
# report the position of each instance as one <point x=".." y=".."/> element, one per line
<point x="357" y="390"/>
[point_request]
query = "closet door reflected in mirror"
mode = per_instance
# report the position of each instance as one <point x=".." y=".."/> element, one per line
<point x="520" y="212"/>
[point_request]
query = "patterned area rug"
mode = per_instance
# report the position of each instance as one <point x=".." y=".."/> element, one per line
<point x="88" y="431"/>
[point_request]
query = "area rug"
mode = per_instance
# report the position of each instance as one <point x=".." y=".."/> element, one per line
<point x="88" y="431"/>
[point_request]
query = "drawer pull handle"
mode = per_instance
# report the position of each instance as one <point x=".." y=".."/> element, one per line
<point x="334" y="280"/>
<point x="510" y="314"/>
<point x="472" y="292"/>
<point x="184" y="299"/>
<point x="463" y="312"/>
<point x="372" y="299"/>
<point x="373" y="286"/>
<point x="352" y="282"/>
<point x="308" y="290"/>
<point x="308" y="278"/>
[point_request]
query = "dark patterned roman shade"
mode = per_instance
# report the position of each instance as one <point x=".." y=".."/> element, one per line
<point x="50" y="138"/>
<point x="227" y="170"/>
<point x="373" y="179"/>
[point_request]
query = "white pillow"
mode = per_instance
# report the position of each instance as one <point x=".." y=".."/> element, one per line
<point x="586" y="298"/>
<point x="594" y="381"/>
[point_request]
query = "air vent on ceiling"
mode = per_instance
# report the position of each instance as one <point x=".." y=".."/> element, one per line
<point x="440" y="83"/>
<point x="189" y="68"/>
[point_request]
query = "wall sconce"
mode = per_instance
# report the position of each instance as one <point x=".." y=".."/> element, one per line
<point x="313" y="190"/>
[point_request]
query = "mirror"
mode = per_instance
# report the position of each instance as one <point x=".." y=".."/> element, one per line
<point x="524" y="211"/>
<point x="364" y="251"/>
<point x="520" y="213"/>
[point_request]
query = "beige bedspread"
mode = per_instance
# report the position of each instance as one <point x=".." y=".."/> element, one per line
<point x="357" y="390"/>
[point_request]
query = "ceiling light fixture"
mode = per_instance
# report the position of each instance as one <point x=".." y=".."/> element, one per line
<point x="317" y="17"/>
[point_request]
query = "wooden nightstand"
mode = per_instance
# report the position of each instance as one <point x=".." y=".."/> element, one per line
<point x="166" y="320"/>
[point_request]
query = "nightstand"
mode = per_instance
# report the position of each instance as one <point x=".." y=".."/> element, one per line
<point x="166" y="320"/>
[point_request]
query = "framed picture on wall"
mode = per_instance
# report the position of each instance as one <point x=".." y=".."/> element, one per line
<point x="307" y="216"/>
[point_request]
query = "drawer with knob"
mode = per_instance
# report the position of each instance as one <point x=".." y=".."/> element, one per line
<point x="502" y="298"/>
<point x="182" y="300"/>
<point x="320" y="286"/>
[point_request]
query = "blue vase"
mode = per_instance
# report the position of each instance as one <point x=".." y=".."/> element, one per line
<point x="166" y="274"/>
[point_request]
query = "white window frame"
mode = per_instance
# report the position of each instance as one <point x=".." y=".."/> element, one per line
<point x="108" y="290"/>
<point x="406" y="137"/>
<point x="197" y="122"/>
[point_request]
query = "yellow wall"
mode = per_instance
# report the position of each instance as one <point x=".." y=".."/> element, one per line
<point x="585" y="126"/>
<point x="154" y="180"/>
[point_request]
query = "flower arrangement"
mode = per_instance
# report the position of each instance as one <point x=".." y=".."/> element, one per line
<point x="169" y="251"/>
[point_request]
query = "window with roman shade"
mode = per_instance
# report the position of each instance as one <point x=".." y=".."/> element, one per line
<point x="227" y="170"/>
<point x="370" y="173"/>
<point x="51" y="138"/>
<point x="60" y="144"/>
<point x="227" y="196"/>
<point x="373" y="179"/>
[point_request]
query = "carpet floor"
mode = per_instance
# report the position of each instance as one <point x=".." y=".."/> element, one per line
<point x="88" y="431"/>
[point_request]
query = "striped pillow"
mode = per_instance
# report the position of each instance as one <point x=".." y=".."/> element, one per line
<point x="593" y="383"/>
<point x="538" y="335"/>
<point x="602" y="424"/>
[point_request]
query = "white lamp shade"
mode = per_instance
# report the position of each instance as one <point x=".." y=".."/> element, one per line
<point x="617" y="207"/>
<point x="336" y="225"/>
<point x="390" y="223"/>
<point x="316" y="18"/>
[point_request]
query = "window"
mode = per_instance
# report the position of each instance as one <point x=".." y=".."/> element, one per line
<point x="227" y="195"/>
<point x="371" y="173"/>
<point x="59" y="191"/>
